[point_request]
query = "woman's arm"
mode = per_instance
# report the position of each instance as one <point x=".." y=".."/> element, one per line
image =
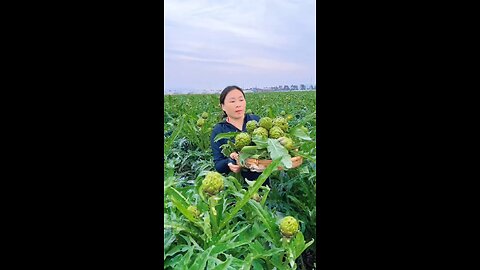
<point x="221" y="161"/>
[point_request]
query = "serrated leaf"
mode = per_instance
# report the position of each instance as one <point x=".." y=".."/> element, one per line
<point x="257" y="265"/>
<point x="229" y="235"/>
<point x="265" y="217"/>
<point x="186" y="258"/>
<point x="235" y="182"/>
<point x="256" y="248"/>
<point x="260" y="142"/>
<point x="173" y="262"/>
<point x="207" y="228"/>
<point x="176" y="249"/>
<point x="201" y="260"/>
<point x="298" y="244"/>
<point x="260" y="251"/>
<point x="297" y="202"/>
<point x="168" y="238"/>
<point x="277" y="262"/>
<point x="178" y="195"/>
<point x="224" y="265"/>
<point x="277" y="150"/>
<point x="227" y="148"/>
<point x="225" y="135"/>
<point x="299" y="133"/>
<point x="227" y="246"/>
<point x="247" y="152"/>
<point x="180" y="204"/>
<point x="248" y="262"/>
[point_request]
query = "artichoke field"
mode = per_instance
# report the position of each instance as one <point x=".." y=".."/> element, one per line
<point x="215" y="221"/>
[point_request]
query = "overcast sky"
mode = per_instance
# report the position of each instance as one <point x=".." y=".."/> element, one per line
<point x="210" y="44"/>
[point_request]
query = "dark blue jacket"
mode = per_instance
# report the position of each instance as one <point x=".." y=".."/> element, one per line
<point x="219" y="159"/>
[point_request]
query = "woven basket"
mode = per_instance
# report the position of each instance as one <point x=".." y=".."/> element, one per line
<point x="259" y="165"/>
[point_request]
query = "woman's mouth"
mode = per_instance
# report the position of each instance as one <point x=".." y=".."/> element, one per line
<point x="239" y="111"/>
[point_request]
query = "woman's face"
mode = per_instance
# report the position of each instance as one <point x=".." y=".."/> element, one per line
<point x="234" y="104"/>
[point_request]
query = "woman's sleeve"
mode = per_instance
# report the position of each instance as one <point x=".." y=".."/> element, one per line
<point x="219" y="159"/>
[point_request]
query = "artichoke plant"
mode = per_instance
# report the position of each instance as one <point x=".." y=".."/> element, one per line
<point x="241" y="140"/>
<point x="281" y="123"/>
<point x="266" y="123"/>
<point x="194" y="211"/>
<point x="289" y="226"/>
<point x="200" y="122"/>
<point x="286" y="142"/>
<point x="251" y="126"/>
<point x="276" y="132"/>
<point x="213" y="183"/>
<point x="260" y="131"/>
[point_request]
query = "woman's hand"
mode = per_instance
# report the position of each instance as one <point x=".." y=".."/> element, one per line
<point x="234" y="155"/>
<point x="234" y="168"/>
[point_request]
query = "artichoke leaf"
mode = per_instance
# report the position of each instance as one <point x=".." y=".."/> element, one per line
<point x="225" y="135"/>
<point x="299" y="244"/>
<point x="227" y="148"/>
<point x="247" y="152"/>
<point x="299" y="133"/>
<point x="277" y="150"/>
<point x="260" y="142"/>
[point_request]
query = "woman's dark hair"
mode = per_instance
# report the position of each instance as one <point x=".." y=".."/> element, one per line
<point x="225" y="92"/>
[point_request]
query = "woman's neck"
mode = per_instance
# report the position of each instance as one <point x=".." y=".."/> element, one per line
<point x="238" y="123"/>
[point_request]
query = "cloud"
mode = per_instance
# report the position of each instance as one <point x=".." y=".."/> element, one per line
<point x="245" y="21"/>
<point x="253" y="63"/>
<point x="257" y="39"/>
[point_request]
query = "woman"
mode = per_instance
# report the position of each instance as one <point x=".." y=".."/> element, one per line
<point x="232" y="101"/>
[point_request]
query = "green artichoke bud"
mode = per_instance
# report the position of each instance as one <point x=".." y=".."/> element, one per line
<point x="194" y="211"/>
<point x="282" y="113"/>
<point x="289" y="117"/>
<point x="256" y="197"/>
<point x="241" y="140"/>
<point x="266" y="123"/>
<point x="281" y="123"/>
<point x="213" y="183"/>
<point x="276" y="132"/>
<point x="289" y="226"/>
<point x="200" y="122"/>
<point x="286" y="142"/>
<point x="251" y="125"/>
<point x="204" y="115"/>
<point x="260" y="131"/>
<point x="249" y="111"/>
